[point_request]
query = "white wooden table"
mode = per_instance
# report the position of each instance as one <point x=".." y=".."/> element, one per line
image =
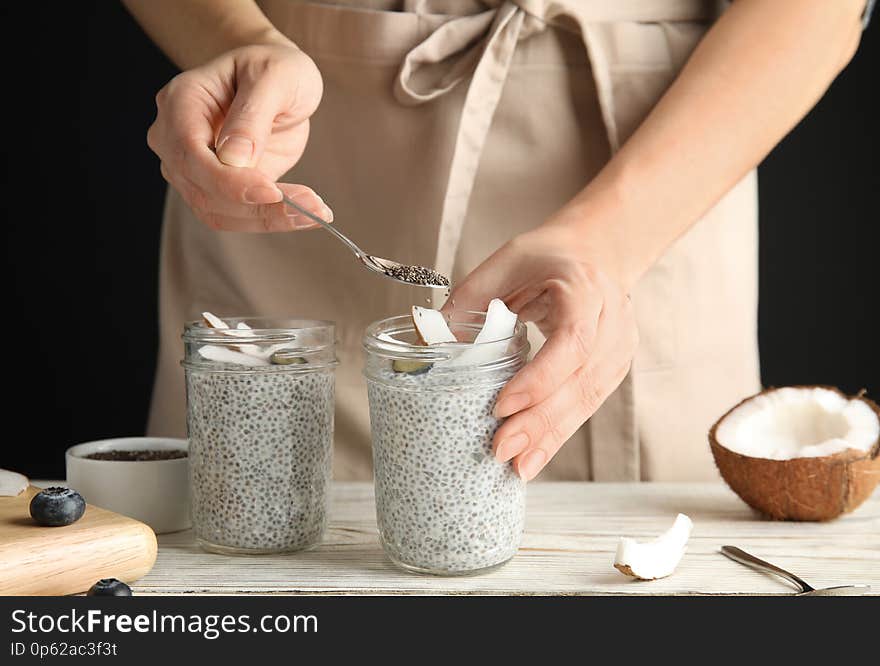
<point x="571" y="536"/>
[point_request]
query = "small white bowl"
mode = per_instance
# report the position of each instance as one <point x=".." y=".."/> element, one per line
<point x="155" y="492"/>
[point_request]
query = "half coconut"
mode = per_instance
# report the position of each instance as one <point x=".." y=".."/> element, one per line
<point x="800" y="452"/>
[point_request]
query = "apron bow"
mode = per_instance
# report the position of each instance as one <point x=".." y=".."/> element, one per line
<point x="456" y="49"/>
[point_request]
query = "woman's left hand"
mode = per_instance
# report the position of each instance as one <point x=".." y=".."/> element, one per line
<point x="548" y="277"/>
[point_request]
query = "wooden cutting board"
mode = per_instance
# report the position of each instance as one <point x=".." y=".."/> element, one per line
<point x="67" y="560"/>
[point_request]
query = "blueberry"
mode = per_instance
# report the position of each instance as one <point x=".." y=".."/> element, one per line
<point x="56" y="507"/>
<point x="109" y="587"/>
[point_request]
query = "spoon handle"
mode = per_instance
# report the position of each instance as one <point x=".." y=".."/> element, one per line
<point x="741" y="556"/>
<point x="329" y="227"/>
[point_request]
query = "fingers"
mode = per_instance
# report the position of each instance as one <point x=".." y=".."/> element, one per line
<point x="253" y="105"/>
<point x="595" y="304"/>
<point x="532" y="437"/>
<point x="250" y="218"/>
<point x="272" y="96"/>
<point x="308" y="199"/>
<point x="565" y="351"/>
<point x="485" y="282"/>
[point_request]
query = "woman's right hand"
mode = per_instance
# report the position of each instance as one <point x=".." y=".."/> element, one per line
<point x="226" y="131"/>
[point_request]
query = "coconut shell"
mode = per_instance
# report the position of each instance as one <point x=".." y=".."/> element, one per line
<point x="801" y="488"/>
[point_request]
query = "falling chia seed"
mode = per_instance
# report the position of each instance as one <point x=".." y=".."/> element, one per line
<point x="417" y="275"/>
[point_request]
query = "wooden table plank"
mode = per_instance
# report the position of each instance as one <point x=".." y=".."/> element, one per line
<point x="571" y="536"/>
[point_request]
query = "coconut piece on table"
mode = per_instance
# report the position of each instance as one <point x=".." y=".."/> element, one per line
<point x="499" y="325"/>
<point x="654" y="559"/>
<point x="800" y="452"/>
<point x="12" y="483"/>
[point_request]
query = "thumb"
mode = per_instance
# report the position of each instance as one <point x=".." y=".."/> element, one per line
<point x="499" y="276"/>
<point x="472" y="293"/>
<point x="248" y="124"/>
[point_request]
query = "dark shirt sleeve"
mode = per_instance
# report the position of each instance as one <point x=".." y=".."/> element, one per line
<point x="866" y="15"/>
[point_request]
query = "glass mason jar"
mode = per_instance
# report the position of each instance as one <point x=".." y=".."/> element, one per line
<point x="444" y="504"/>
<point x="260" y="422"/>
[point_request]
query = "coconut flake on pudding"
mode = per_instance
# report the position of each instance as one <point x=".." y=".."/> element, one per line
<point x="237" y="353"/>
<point x="799" y="422"/>
<point x="431" y="326"/>
<point x="492" y="341"/>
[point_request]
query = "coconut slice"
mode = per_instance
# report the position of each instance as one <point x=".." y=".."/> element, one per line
<point x="213" y="321"/>
<point x="654" y="559"/>
<point x="431" y="327"/>
<point x="242" y="330"/>
<point x="12" y="484"/>
<point x="223" y="354"/>
<point x="499" y="325"/>
<point x="800" y="452"/>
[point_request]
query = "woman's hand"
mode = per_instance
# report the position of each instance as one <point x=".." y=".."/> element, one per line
<point x="548" y="277"/>
<point x="226" y="131"/>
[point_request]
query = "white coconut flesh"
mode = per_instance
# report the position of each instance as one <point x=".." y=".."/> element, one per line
<point x="12" y="483"/>
<point x="798" y="422"/>
<point x="241" y="330"/>
<point x="492" y="341"/>
<point x="222" y="354"/>
<point x="214" y="321"/>
<point x="654" y="559"/>
<point x="431" y="326"/>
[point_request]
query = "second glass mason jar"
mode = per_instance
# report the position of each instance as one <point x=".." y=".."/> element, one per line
<point x="260" y="399"/>
<point x="444" y="504"/>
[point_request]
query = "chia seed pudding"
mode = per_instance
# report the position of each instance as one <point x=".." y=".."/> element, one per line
<point x="444" y="504"/>
<point x="260" y="435"/>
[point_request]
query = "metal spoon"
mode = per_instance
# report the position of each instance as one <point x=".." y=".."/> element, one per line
<point x="741" y="556"/>
<point x="385" y="267"/>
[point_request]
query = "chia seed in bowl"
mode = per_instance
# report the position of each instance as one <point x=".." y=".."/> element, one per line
<point x="137" y="456"/>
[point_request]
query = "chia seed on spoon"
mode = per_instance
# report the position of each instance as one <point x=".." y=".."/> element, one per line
<point x="417" y="275"/>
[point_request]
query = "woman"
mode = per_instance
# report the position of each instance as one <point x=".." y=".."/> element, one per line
<point x="591" y="162"/>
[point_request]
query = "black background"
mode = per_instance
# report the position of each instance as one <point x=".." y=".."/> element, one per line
<point x="82" y="200"/>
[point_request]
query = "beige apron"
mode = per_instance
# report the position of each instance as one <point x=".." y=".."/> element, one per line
<point x="445" y="130"/>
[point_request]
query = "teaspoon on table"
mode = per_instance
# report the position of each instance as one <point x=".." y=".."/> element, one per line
<point x="807" y="590"/>
<point x="418" y="275"/>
